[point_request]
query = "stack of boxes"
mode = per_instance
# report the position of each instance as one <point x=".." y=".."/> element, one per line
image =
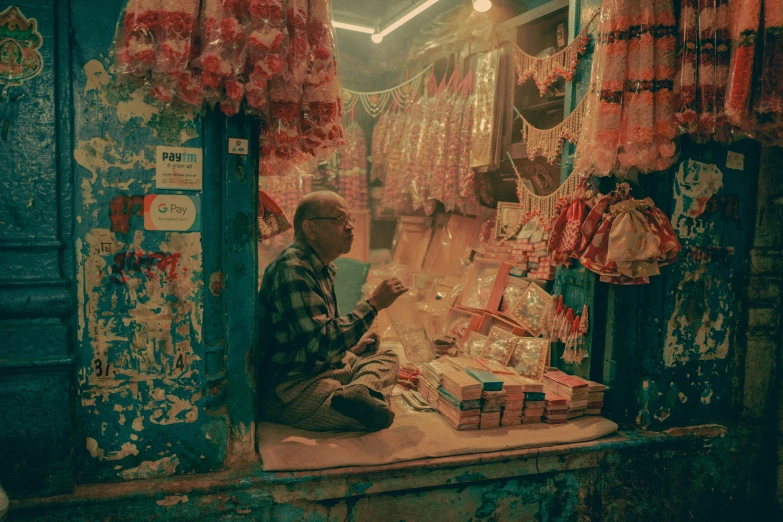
<point x="515" y="398"/>
<point x="533" y="407"/>
<point x="555" y="409"/>
<point x="595" y="398"/>
<point x="573" y="389"/>
<point x="493" y="398"/>
<point x="459" y="400"/>
<point x="430" y="380"/>
<point x="531" y="257"/>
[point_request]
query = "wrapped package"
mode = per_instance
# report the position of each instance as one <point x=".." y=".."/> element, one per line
<point x="298" y="41"/>
<point x="266" y="47"/>
<point x="177" y="22"/>
<point x="137" y="37"/>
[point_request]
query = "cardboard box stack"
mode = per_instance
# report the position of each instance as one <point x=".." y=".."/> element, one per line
<point x="460" y="400"/>
<point x="555" y="409"/>
<point x="572" y="388"/>
<point x="533" y="408"/>
<point x="595" y="398"/>
<point x="540" y="262"/>
<point x="492" y="397"/>
<point x="515" y="398"/>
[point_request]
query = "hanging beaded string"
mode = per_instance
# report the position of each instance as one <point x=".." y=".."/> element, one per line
<point x="374" y="103"/>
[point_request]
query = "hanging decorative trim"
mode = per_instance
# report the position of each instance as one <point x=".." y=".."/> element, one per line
<point x="375" y="103"/>
<point x="549" y="142"/>
<point x="543" y="206"/>
<point x="546" y="69"/>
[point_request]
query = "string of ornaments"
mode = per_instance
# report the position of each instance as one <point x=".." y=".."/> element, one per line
<point x="545" y="70"/>
<point x="375" y="103"/>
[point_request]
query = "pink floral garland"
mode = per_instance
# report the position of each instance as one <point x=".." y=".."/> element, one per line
<point x="629" y="118"/>
<point x="276" y="56"/>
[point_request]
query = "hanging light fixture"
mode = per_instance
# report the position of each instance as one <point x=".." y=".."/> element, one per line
<point x="482" y="5"/>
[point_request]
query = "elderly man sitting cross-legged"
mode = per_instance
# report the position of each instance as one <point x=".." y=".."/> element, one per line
<point x="318" y="370"/>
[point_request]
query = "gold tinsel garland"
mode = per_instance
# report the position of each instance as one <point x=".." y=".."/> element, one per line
<point x="549" y="142"/>
<point x="544" y="70"/>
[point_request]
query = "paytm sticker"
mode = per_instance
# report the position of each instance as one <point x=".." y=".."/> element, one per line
<point x="170" y="212"/>
<point x="178" y="168"/>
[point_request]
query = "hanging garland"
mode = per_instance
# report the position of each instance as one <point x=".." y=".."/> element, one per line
<point x="548" y="142"/>
<point x="375" y="103"/>
<point x="545" y="70"/>
<point x="543" y="206"/>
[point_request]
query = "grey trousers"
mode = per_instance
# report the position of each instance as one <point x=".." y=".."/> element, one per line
<point x="308" y="404"/>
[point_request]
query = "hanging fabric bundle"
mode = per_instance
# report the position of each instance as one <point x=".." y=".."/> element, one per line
<point x="625" y="240"/>
<point x="566" y="233"/>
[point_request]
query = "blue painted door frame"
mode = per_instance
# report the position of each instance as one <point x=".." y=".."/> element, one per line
<point x="124" y="352"/>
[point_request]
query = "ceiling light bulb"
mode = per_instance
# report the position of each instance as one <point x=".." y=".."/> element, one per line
<point x="377" y="37"/>
<point x="482" y="5"/>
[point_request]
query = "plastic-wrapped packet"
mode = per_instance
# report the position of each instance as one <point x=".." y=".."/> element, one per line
<point x="452" y="147"/>
<point x="177" y="21"/>
<point x="322" y="131"/>
<point x="468" y="200"/>
<point x="267" y="37"/>
<point x="320" y="37"/>
<point x="637" y="130"/>
<point x="768" y="108"/>
<point x="458" y="326"/>
<point x="722" y="130"/>
<point x="257" y="95"/>
<point x="473" y="344"/>
<point x="512" y="293"/>
<point x="411" y="332"/>
<point x="299" y="44"/>
<point x="439" y="135"/>
<point x="376" y="145"/>
<point x="499" y="349"/>
<point x="664" y="150"/>
<point x="222" y="39"/>
<point x="746" y="19"/>
<point x="137" y="37"/>
<point x="423" y="148"/>
<point x="477" y="293"/>
<point x="685" y="83"/>
<point x="599" y="139"/>
<point x="234" y="92"/>
<point x="281" y="141"/>
<point x="352" y="174"/>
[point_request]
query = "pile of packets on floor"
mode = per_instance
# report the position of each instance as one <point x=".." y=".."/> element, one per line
<point x="479" y="346"/>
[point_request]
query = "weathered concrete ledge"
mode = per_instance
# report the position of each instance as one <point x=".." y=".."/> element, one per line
<point x="247" y="492"/>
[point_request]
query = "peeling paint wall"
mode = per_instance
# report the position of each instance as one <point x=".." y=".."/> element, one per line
<point x="142" y="393"/>
<point x="676" y="345"/>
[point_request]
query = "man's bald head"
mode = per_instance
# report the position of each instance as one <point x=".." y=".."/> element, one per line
<point x="315" y="204"/>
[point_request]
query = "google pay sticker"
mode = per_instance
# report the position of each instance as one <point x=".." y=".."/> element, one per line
<point x="172" y="212"/>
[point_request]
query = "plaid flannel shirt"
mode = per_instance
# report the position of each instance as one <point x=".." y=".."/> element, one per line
<point x="301" y="333"/>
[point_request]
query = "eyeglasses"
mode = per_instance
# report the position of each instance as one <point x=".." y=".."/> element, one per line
<point x="340" y="221"/>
